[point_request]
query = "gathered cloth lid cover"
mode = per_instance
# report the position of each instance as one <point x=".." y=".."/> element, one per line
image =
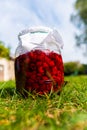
<point x="35" y="36"/>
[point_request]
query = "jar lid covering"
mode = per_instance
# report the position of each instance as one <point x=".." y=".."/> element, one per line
<point x="41" y="35"/>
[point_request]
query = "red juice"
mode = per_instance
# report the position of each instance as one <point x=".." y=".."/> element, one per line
<point x="39" y="71"/>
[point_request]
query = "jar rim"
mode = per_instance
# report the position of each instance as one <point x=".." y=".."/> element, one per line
<point x="40" y="29"/>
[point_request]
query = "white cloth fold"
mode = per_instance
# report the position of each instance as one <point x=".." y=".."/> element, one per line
<point x="37" y="36"/>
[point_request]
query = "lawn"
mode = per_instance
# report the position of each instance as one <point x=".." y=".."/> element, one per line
<point x="67" y="111"/>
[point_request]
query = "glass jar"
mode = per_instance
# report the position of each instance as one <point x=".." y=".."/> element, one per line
<point x="38" y="63"/>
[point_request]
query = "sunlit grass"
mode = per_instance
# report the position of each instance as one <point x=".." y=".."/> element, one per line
<point x="67" y="111"/>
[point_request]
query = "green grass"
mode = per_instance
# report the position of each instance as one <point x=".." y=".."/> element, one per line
<point x="67" y="111"/>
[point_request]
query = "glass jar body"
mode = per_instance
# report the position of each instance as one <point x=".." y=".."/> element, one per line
<point x="39" y="71"/>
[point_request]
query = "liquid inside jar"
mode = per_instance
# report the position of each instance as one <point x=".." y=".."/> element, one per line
<point x="39" y="71"/>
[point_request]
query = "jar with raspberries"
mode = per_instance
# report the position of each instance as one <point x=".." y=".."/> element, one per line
<point x="38" y="62"/>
